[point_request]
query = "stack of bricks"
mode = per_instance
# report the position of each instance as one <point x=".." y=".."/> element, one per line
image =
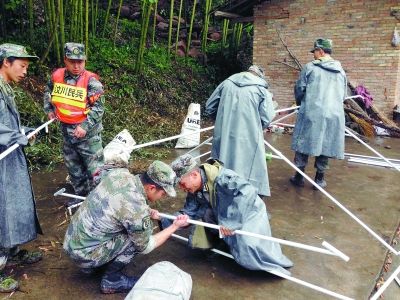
<point x="361" y="31"/>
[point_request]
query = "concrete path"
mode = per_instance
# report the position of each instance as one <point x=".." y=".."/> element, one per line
<point x="298" y="214"/>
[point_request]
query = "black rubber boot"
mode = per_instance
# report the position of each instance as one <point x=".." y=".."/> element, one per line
<point x="319" y="179"/>
<point x="298" y="179"/>
<point x="114" y="281"/>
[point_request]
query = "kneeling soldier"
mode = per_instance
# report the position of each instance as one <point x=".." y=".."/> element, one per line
<point x="113" y="223"/>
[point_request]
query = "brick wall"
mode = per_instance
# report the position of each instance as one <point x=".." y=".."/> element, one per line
<point x="361" y="31"/>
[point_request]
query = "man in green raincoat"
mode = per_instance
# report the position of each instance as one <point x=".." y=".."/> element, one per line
<point x="319" y="130"/>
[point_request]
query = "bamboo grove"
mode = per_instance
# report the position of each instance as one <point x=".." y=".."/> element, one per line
<point x="82" y="20"/>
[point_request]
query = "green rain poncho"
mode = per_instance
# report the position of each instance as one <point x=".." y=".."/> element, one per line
<point x="242" y="107"/>
<point x="320" y="92"/>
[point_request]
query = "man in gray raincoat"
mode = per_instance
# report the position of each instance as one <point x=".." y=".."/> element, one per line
<point x="242" y="107"/>
<point x="220" y="196"/>
<point x="113" y="224"/>
<point x="319" y="130"/>
<point x="18" y="220"/>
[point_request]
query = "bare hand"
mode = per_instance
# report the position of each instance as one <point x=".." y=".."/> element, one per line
<point x="79" y="132"/>
<point x="226" y="231"/>
<point x="51" y="115"/>
<point x="154" y="214"/>
<point x="181" y="221"/>
<point x="32" y="139"/>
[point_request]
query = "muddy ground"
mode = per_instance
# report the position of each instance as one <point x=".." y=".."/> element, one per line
<point x="302" y="215"/>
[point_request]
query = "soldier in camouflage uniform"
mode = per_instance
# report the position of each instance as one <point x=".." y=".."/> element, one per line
<point x="75" y="97"/>
<point x="113" y="223"/>
<point x="18" y="220"/>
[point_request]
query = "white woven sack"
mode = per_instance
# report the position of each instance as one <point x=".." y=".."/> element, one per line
<point x="119" y="149"/>
<point x="191" y="124"/>
<point x="162" y="280"/>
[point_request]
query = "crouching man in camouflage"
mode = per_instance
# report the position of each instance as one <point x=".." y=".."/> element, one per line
<point x="113" y="224"/>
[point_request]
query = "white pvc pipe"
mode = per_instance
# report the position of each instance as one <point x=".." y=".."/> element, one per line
<point x="285" y="125"/>
<point x="370" y="162"/>
<point x="286" y="109"/>
<point x="331" y="198"/>
<point x="15" y="146"/>
<point x="198" y="146"/>
<point x="284" y="117"/>
<point x="201" y="155"/>
<point x="372" y="149"/>
<point x="170" y="138"/>
<point x="372" y="157"/>
<point x="279" y="274"/>
<point x="386" y="284"/>
<point x="352" y="97"/>
<point x="328" y="251"/>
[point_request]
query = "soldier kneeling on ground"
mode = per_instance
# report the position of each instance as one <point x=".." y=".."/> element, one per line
<point x="113" y="223"/>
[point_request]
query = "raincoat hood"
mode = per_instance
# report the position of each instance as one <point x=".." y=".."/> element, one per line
<point x="329" y="65"/>
<point x="247" y="79"/>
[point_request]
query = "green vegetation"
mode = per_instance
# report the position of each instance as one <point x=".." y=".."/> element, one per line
<point x="147" y="90"/>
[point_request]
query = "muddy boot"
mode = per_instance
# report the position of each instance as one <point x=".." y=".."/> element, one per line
<point x="24" y="257"/>
<point x="114" y="281"/>
<point x="117" y="283"/>
<point x="297" y="179"/>
<point x="319" y="179"/>
<point x="8" y="284"/>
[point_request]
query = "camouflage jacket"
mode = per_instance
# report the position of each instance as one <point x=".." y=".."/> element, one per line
<point x="93" y="123"/>
<point x="116" y="207"/>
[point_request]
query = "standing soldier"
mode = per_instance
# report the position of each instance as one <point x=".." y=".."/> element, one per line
<point x="75" y="97"/>
<point x="18" y="218"/>
<point x="242" y="107"/>
<point x="319" y="130"/>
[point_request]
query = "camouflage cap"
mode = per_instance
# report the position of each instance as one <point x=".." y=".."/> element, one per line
<point x="12" y="50"/>
<point x="324" y="44"/>
<point x="260" y="71"/>
<point x="163" y="175"/>
<point x="75" y="51"/>
<point x="183" y="165"/>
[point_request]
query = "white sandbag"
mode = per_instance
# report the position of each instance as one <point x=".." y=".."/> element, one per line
<point x="191" y="124"/>
<point x="119" y="149"/>
<point x="162" y="280"/>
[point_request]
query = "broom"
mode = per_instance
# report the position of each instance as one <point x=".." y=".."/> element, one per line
<point x="367" y="128"/>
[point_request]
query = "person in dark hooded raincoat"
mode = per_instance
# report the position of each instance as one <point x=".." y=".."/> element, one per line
<point x="18" y="219"/>
<point x="242" y="107"/>
<point x="220" y="196"/>
<point x="319" y="129"/>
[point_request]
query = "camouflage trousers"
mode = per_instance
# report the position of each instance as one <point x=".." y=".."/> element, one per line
<point x="320" y="163"/>
<point x="82" y="159"/>
<point x="119" y="250"/>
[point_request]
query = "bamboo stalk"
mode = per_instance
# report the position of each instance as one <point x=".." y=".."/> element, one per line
<point x="171" y="15"/>
<point x="106" y="18"/>
<point x="87" y="28"/>
<point x="30" y="17"/>
<point x="153" y="37"/>
<point x="191" y="27"/>
<point x="179" y="26"/>
<point x="116" y="22"/>
<point x="62" y="24"/>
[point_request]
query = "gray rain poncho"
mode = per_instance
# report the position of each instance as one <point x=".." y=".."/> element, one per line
<point x="242" y="108"/>
<point x="18" y="220"/>
<point x="236" y="205"/>
<point x="320" y="92"/>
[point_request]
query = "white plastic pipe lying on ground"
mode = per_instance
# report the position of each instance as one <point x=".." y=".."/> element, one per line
<point x="372" y="149"/>
<point x="371" y="162"/>
<point x="279" y="274"/>
<point x="31" y="134"/>
<point x="386" y="284"/>
<point x="330" y="250"/>
<point x="285" y="125"/>
<point x="332" y="198"/>
<point x="371" y="157"/>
